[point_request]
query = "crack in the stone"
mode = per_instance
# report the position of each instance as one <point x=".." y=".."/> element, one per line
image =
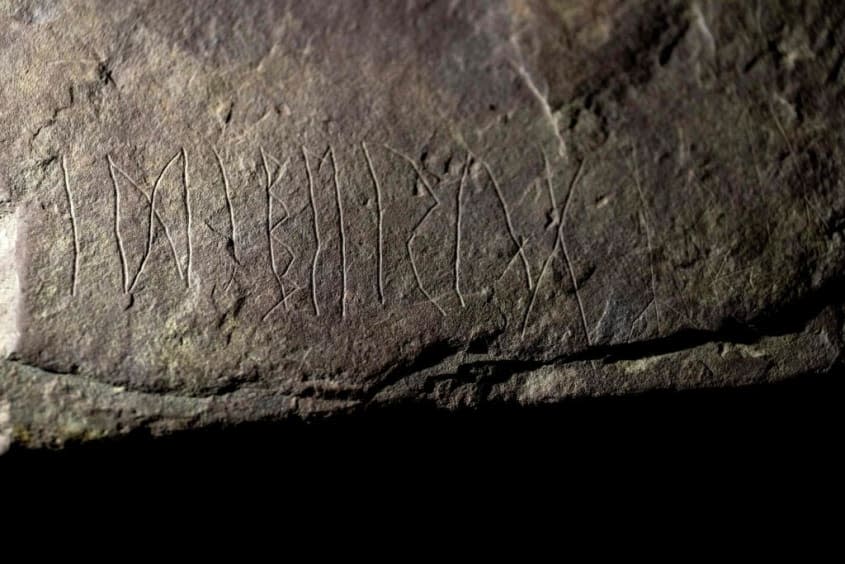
<point x="454" y="365"/>
<point x="459" y="359"/>
<point x="791" y="319"/>
<point x="87" y="379"/>
<point x="54" y="117"/>
<point x="72" y="371"/>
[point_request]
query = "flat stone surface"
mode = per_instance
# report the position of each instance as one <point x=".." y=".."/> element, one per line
<point x="219" y="212"/>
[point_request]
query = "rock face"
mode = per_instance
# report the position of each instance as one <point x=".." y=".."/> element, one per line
<point x="223" y="212"/>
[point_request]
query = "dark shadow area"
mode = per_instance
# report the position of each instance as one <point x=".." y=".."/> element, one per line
<point x="789" y="420"/>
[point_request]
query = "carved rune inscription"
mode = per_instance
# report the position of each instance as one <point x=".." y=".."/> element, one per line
<point x="308" y="199"/>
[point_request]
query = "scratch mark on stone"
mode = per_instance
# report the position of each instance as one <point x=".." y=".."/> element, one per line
<point x="754" y="160"/>
<point x="757" y="172"/>
<point x="701" y="22"/>
<point x="231" y="279"/>
<point x="793" y="154"/>
<point x="638" y="318"/>
<point x="648" y="235"/>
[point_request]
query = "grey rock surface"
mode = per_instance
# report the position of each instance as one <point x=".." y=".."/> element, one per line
<point x="227" y="212"/>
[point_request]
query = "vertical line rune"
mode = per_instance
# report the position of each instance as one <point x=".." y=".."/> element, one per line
<point x="458" y="233"/>
<point x="188" y="214"/>
<point x="380" y="222"/>
<point x="316" y="233"/>
<point x="121" y="251"/>
<point x="342" y="231"/>
<point x="73" y="228"/>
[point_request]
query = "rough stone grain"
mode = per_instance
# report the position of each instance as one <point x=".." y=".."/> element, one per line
<point x="216" y="212"/>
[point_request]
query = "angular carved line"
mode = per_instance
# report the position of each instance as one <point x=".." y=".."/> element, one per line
<point x="231" y="279"/>
<point x="511" y="231"/>
<point x="158" y="217"/>
<point x="120" y="247"/>
<point x="409" y="248"/>
<point x="151" y="230"/>
<point x="513" y="258"/>
<point x="578" y="299"/>
<point x="73" y="228"/>
<point x="552" y="200"/>
<point x="284" y="301"/>
<point x="409" y="243"/>
<point x="279" y="304"/>
<point x="316" y="233"/>
<point x="380" y="222"/>
<point x="584" y="323"/>
<point x="292" y="257"/>
<point x="562" y="214"/>
<point x="638" y="318"/>
<point x="270" y="184"/>
<point x="342" y="230"/>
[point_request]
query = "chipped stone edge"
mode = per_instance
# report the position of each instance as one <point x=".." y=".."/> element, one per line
<point x="9" y="284"/>
<point x="41" y="409"/>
